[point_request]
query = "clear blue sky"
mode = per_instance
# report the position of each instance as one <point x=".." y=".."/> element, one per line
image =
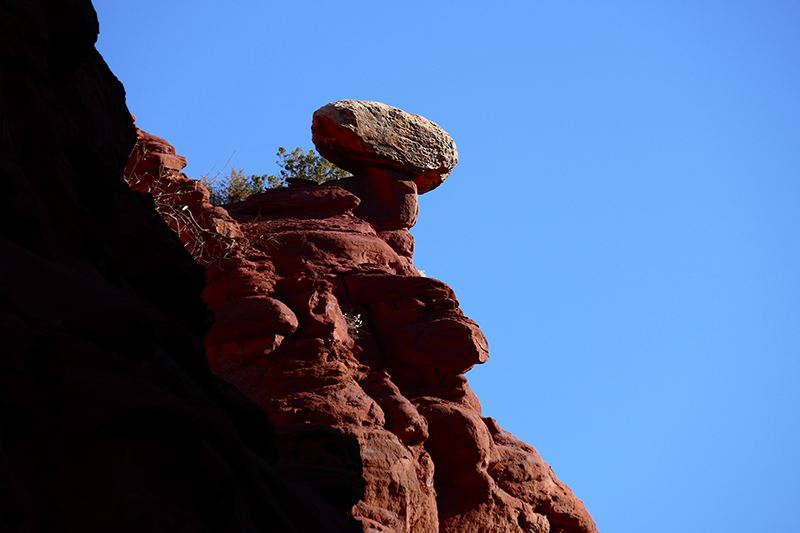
<point x="624" y="223"/>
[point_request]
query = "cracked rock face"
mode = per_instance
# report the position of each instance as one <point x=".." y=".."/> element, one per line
<point x="357" y="135"/>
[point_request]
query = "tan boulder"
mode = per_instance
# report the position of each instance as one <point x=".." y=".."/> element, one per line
<point x="357" y="135"/>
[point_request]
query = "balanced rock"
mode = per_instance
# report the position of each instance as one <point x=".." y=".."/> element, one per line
<point x="325" y="323"/>
<point x="357" y="135"/>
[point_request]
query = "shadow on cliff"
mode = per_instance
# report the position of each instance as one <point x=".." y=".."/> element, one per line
<point x="345" y="406"/>
<point x="110" y="418"/>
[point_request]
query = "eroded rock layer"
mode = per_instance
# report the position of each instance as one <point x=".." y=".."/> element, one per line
<point x="323" y="320"/>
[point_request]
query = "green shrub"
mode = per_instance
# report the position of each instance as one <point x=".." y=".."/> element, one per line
<point x="236" y="185"/>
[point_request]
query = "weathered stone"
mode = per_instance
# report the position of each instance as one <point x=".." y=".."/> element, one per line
<point x="520" y="471"/>
<point x="250" y="317"/>
<point x="152" y="155"/>
<point x="367" y="288"/>
<point x="375" y="351"/>
<point x="325" y="458"/>
<point x="453" y="344"/>
<point x="469" y="499"/>
<point x="320" y="314"/>
<point x="400" y="240"/>
<point x="113" y="420"/>
<point x="357" y="135"/>
<point x="244" y="279"/>
<point x="310" y="252"/>
<point x="402" y="417"/>
<point x="319" y="202"/>
<point x="399" y="495"/>
<point x="388" y="199"/>
<point x="379" y="353"/>
<point x="208" y="232"/>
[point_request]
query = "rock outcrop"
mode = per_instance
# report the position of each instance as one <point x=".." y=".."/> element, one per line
<point x="350" y="410"/>
<point x="323" y="320"/>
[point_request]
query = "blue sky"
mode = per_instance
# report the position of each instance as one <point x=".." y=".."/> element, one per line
<point x="624" y="222"/>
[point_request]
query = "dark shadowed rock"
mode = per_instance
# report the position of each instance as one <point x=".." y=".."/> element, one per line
<point x="388" y="199"/>
<point x="110" y="417"/>
<point x="302" y="202"/>
<point x="237" y="318"/>
<point x="402" y="417"/>
<point x="326" y="459"/>
<point x="452" y="344"/>
<point x="357" y="135"/>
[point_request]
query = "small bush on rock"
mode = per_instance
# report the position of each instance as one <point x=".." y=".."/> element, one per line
<point x="299" y="164"/>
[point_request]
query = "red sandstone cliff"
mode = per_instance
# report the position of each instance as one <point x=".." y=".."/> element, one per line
<point x="111" y="419"/>
<point x="323" y="321"/>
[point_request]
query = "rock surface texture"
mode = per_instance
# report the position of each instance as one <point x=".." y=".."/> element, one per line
<point x="323" y="320"/>
<point x="357" y="135"/>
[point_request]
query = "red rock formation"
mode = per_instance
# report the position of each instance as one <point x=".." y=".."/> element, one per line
<point x="323" y="321"/>
<point x="110" y="417"/>
<point x="205" y="230"/>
